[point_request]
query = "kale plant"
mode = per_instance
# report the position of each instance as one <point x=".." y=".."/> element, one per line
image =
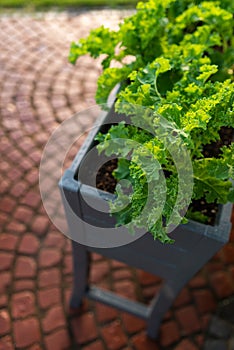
<point x="181" y="68"/>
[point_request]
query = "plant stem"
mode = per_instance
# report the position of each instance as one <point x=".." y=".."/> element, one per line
<point x="155" y="87"/>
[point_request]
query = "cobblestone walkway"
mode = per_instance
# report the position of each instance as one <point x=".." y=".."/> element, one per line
<point x="38" y="90"/>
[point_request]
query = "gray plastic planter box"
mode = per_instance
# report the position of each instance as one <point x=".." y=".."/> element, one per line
<point x="195" y="244"/>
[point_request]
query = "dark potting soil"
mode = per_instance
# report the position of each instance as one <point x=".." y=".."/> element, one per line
<point x="105" y="180"/>
<point x="213" y="149"/>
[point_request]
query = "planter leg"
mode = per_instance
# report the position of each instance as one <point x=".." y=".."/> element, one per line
<point x="81" y="271"/>
<point x="159" y="306"/>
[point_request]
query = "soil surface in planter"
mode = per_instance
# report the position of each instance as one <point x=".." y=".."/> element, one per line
<point x="105" y="180"/>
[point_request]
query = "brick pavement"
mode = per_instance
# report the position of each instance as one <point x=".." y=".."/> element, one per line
<point x="38" y="90"/>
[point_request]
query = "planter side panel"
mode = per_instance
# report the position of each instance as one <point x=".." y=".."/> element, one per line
<point x="162" y="260"/>
<point x="144" y="253"/>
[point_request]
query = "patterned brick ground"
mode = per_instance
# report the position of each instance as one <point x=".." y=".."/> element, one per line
<point x="38" y="90"/>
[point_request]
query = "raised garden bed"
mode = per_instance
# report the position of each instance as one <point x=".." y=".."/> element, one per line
<point x="195" y="243"/>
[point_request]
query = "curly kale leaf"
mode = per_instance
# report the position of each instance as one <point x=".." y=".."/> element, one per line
<point x="211" y="177"/>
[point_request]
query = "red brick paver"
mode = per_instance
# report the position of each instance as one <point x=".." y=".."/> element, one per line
<point x="114" y="336"/>
<point x="84" y="328"/>
<point x="26" y="332"/>
<point x="23" y="304"/>
<point x="39" y="90"/>
<point x="4" y="322"/>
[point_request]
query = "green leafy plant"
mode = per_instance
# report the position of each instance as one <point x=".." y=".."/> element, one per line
<point x="174" y="58"/>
